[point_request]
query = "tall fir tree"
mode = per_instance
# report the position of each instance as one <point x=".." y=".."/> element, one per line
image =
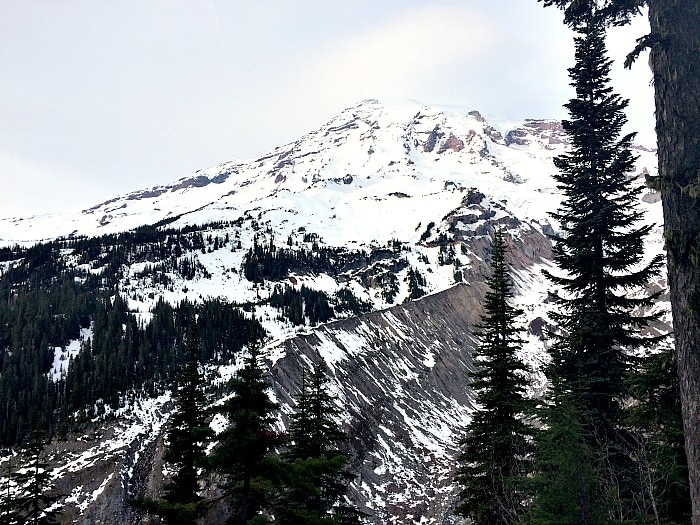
<point x="244" y="455"/>
<point x="603" y="278"/>
<point x="602" y="244"/>
<point x="187" y="436"/>
<point x="674" y="59"/>
<point x="316" y="475"/>
<point x="496" y="455"/>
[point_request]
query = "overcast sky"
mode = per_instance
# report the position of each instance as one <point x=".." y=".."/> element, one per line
<point x="98" y="98"/>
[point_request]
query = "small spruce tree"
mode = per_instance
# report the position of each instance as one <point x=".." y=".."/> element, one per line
<point x="415" y="284"/>
<point x="9" y="513"/>
<point x="496" y="450"/>
<point x="315" y="466"/>
<point x="185" y="449"/>
<point x="244" y="455"/>
<point x="33" y="497"/>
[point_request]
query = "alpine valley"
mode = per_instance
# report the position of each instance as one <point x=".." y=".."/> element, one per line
<point x="364" y="244"/>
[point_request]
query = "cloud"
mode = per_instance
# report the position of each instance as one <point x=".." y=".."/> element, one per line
<point x="17" y="176"/>
<point x="35" y="188"/>
<point x="406" y="57"/>
<point x="635" y="83"/>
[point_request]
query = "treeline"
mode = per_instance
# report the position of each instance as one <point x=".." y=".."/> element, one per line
<point x="304" y="304"/>
<point x="50" y="291"/>
<point x="154" y="244"/>
<point x="268" y="262"/>
<point x="124" y="354"/>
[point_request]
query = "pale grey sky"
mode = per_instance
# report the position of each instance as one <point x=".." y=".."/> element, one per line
<point x="100" y="98"/>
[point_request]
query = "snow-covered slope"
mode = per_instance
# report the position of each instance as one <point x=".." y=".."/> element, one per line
<point x="347" y="179"/>
<point x="375" y="173"/>
<point x="400" y="190"/>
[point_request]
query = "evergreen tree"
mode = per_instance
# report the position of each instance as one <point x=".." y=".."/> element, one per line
<point x="9" y="513"/>
<point x="602" y="246"/>
<point x="656" y="440"/>
<point x="315" y="467"/>
<point x="32" y="498"/>
<point x="675" y="62"/>
<point x="185" y="448"/>
<point x="600" y="252"/>
<point x="496" y="449"/>
<point x="415" y="284"/>
<point x="244" y="454"/>
<point x="569" y="480"/>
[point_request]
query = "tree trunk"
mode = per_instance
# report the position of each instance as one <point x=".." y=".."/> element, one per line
<point x="675" y="62"/>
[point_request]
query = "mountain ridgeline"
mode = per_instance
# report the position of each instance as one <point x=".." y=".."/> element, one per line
<point x="363" y="246"/>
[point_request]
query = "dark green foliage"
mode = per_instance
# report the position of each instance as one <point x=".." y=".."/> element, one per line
<point x="270" y="262"/>
<point x="346" y="301"/>
<point x="11" y="253"/>
<point x="306" y="303"/>
<point x="656" y="440"/>
<point x="187" y="434"/>
<point x="390" y="286"/>
<point x="615" y="12"/>
<point x="47" y="307"/>
<point x="416" y="282"/>
<point x="244" y="455"/>
<point x="315" y="467"/>
<point x="447" y="254"/>
<point x="428" y="232"/>
<point x="601" y="247"/>
<point x="316" y="306"/>
<point x="602" y="288"/>
<point x="32" y="322"/>
<point x="496" y="450"/>
<point x="314" y="431"/>
<point x="172" y="513"/>
<point x="297" y="305"/>
<point x="51" y="290"/>
<point x="9" y="513"/>
<point x="569" y="485"/>
<point x="33" y="493"/>
<point x="674" y="60"/>
<point x="124" y="354"/>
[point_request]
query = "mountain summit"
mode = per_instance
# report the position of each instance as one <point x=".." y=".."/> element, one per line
<point x="366" y="154"/>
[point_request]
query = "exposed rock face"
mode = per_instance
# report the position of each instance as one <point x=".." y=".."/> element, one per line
<point x="546" y="133"/>
<point x="198" y="181"/>
<point x="98" y="471"/>
<point x="432" y="140"/>
<point x="401" y="379"/>
<point x="453" y="144"/>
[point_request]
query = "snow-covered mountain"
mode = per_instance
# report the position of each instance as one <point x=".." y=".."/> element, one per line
<point x="341" y="174"/>
<point x="403" y="197"/>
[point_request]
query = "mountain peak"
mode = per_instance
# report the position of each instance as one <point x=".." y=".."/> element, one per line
<point x="357" y="160"/>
